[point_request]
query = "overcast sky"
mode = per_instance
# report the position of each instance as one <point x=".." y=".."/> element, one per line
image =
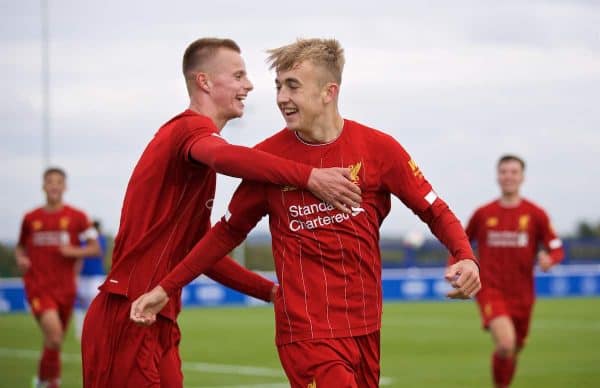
<point x="456" y="82"/>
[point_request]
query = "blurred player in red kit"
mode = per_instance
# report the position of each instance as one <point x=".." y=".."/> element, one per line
<point x="329" y="304"/>
<point x="47" y="254"/>
<point x="508" y="232"/>
<point x="167" y="210"/>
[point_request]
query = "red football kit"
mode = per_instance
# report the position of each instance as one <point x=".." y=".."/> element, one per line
<point x="328" y="263"/>
<point x="507" y="240"/>
<point x="50" y="282"/>
<point x="166" y="210"/>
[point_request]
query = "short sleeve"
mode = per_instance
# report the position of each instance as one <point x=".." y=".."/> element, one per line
<point x="85" y="229"/>
<point x="24" y="232"/>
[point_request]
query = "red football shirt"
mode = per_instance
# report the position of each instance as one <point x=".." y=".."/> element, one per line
<point x="42" y="233"/>
<point x="328" y="263"/>
<point x="508" y="239"/>
<point x="169" y="198"/>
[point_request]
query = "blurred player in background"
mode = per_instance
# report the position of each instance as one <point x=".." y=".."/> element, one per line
<point x="91" y="276"/>
<point x="47" y="254"/>
<point x="167" y="210"/>
<point x="329" y="304"/>
<point x="508" y="232"/>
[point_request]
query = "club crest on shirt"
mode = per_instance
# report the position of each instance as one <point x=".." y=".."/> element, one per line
<point x="487" y="310"/>
<point x="354" y="170"/>
<point x="36" y="225"/>
<point x="312" y="385"/>
<point x="63" y="223"/>
<point x="415" y="169"/>
<point x="524" y="222"/>
<point x="35" y="304"/>
<point x="491" y="222"/>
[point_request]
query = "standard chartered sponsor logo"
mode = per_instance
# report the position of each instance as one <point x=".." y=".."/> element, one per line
<point x="50" y="238"/>
<point x="317" y="221"/>
<point x="505" y="238"/>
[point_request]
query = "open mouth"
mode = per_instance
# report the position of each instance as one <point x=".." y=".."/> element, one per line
<point x="241" y="99"/>
<point x="287" y="112"/>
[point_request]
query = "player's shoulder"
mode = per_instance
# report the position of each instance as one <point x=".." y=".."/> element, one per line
<point x="189" y="119"/>
<point x="488" y="207"/>
<point x="378" y="143"/>
<point x="279" y="140"/>
<point x="358" y="129"/>
<point x="533" y="207"/>
<point x="35" y="212"/>
<point x="75" y="211"/>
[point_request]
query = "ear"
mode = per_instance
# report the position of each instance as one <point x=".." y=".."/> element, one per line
<point x="203" y="82"/>
<point x="330" y="92"/>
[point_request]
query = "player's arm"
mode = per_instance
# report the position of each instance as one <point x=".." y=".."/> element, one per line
<point x="554" y="252"/>
<point x="23" y="261"/>
<point x="470" y="231"/>
<point x="89" y="234"/>
<point x="246" y="208"/>
<point x="233" y="275"/>
<point x="402" y="177"/>
<point x="332" y="185"/>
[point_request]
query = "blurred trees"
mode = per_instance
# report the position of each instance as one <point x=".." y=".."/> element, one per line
<point x="8" y="266"/>
<point x="588" y="230"/>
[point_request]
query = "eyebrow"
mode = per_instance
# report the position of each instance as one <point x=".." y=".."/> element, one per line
<point x="289" y="80"/>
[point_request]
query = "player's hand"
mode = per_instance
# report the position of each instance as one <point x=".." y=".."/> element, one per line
<point x="464" y="277"/>
<point x="333" y="185"/>
<point x="23" y="263"/>
<point x="274" y="292"/>
<point x="545" y="261"/>
<point x="69" y="251"/>
<point x="144" y="309"/>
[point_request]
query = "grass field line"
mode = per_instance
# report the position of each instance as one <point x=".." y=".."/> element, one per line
<point x="244" y="370"/>
<point x="383" y="381"/>
<point x="268" y="385"/>
<point x="537" y="322"/>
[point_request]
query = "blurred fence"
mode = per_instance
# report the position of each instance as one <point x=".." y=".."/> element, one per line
<point x="432" y="253"/>
<point x="398" y="285"/>
<point x="410" y="273"/>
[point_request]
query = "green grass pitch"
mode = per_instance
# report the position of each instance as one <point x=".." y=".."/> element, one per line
<point x="433" y="344"/>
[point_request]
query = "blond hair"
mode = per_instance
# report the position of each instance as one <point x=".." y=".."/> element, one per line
<point x="326" y="53"/>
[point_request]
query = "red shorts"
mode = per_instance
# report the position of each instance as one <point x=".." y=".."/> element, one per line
<point x="118" y="353"/>
<point x="348" y="362"/>
<point x="41" y="302"/>
<point x="493" y="305"/>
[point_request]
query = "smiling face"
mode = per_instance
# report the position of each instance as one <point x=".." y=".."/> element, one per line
<point x="229" y="83"/>
<point x="54" y="186"/>
<point x="510" y="177"/>
<point x="301" y="96"/>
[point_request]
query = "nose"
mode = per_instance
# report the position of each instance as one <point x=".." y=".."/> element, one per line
<point x="249" y="86"/>
<point x="282" y="95"/>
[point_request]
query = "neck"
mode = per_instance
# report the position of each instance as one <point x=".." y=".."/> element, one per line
<point x="323" y="131"/>
<point x="207" y="109"/>
<point x="53" y="205"/>
<point x="510" y="199"/>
